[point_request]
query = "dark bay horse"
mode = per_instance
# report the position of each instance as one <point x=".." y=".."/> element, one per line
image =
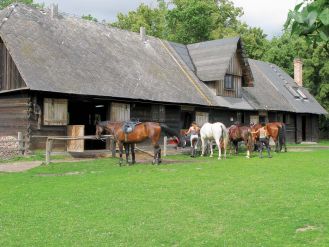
<point x="277" y="131"/>
<point x="238" y="133"/>
<point x="141" y="132"/>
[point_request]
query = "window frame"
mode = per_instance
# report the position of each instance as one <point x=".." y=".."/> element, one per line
<point x="50" y="120"/>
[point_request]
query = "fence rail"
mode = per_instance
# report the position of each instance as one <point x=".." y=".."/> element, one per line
<point x="51" y="139"/>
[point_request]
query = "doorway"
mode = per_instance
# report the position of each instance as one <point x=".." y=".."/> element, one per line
<point x="303" y="128"/>
<point x="88" y="113"/>
<point x="187" y="118"/>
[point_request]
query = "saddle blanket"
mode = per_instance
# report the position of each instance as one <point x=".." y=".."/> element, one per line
<point x="129" y="126"/>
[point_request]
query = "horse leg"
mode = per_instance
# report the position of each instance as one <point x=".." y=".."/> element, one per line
<point x="219" y="149"/>
<point x="203" y="146"/>
<point x="127" y="152"/>
<point x="133" y="153"/>
<point x="248" y="149"/>
<point x="156" y="154"/>
<point x="236" y="146"/>
<point x="121" y="152"/>
<point x="211" y="150"/>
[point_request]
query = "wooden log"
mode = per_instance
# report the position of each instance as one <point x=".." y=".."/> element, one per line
<point x="113" y="147"/>
<point x="49" y="147"/>
<point x="165" y="140"/>
<point x="20" y="142"/>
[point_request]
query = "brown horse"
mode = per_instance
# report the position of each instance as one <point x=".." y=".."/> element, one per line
<point x="141" y="132"/>
<point x="276" y="130"/>
<point x="239" y="133"/>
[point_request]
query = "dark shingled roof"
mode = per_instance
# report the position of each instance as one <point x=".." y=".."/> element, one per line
<point x="270" y="91"/>
<point x="71" y="55"/>
<point x="211" y="58"/>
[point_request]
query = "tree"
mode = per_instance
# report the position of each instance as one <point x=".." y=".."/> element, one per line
<point x="153" y="19"/>
<point x="89" y="18"/>
<point x="6" y="3"/>
<point x="311" y="20"/>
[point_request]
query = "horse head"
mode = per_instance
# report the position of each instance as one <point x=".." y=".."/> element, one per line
<point x="99" y="130"/>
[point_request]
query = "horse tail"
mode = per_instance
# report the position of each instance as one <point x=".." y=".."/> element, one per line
<point x="171" y="132"/>
<point x="282" y="136"/>
<point x="225" y="136"/>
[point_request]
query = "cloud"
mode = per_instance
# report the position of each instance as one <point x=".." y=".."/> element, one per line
<point x="267" y="14"/>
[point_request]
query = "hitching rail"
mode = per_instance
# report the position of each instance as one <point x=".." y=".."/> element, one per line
<point x="50" y="141"/>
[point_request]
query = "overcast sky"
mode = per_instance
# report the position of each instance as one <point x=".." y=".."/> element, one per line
<point x="270" y="15"/>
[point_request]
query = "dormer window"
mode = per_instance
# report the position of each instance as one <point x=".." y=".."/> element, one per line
<point x="228" y="82"/>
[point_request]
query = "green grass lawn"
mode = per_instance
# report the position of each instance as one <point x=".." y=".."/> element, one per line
<point x="233" y="202"/>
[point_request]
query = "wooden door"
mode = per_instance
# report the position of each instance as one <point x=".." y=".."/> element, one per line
<point x="120" y="112"/>
<point x="254" y="119"/>
<point x="75" y="145"/>
<point x="201" y="118"/>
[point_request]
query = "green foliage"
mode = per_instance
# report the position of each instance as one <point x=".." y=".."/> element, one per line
<point x="310" y="20"/>
<point x="205" y="202"/>
<point x="191" y="21"/>
<point x="89" y="18"/>
<point x="184" y="21"/>
<point x="153" y="19"/>
<point x="6" y="3"/>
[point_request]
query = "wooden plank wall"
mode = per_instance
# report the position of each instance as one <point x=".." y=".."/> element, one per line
<point x="235" y="69"/>
<point x="223" y="116"/>
<point x="289" y="121"/>
<point x="315" y="127"/>
<point x="38" y="135"/>
<point x="10" y="77"/>
<point x="14" y="114"/>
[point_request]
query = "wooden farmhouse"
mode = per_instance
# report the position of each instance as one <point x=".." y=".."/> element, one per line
<point x="57" y="71"/>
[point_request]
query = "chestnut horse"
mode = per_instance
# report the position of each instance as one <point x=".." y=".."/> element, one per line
<point x="238" y="133"/>
<point x="141" y="132"/>
<point x="276" y="130"/>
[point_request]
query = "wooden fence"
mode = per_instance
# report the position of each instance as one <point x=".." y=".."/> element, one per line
<point x="50" y="141"/>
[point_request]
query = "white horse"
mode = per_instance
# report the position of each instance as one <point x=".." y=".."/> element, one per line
<point x="218" y="132"/>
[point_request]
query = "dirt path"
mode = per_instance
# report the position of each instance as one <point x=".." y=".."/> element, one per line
<point x="19" y="166"/>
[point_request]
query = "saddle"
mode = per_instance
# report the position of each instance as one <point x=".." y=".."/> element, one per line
<point x="129" y="126"/>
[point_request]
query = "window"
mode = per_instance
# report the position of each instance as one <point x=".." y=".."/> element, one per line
<point x="299" y="91"/>
<point x="228" y="82"/>
<point x="296" y="92"/>
<point x="55" y="111"/>
<point x="158" y="113"/>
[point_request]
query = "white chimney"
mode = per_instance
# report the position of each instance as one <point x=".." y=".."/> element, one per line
<point x="54" y="10"/>
<point x="298" y="71"/>
<point x="142" y="33"/>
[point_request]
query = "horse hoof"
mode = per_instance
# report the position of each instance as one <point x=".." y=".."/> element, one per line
<point x="219" y="158"/>
<point x="247" y="157"/>
<point x="211" y="156"/>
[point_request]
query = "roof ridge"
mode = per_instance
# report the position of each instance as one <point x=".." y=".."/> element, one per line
<point x="10" y="9"/>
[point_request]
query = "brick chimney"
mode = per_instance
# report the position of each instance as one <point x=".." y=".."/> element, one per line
<point x="298" y="71"/>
